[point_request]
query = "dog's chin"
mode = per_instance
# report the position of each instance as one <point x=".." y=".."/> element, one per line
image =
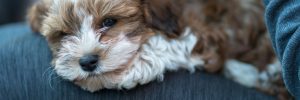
<point x="87" y="76"/>
<point x="91" y="83"/>
<point x="101" y="77"/>
<point x="97" y="81"/>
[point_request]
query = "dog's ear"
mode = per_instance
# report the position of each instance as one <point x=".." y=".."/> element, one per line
<point x="163" y="15"/>
<point x="36" y="15"/>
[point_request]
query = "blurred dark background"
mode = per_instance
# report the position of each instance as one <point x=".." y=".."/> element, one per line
<point x="13" y="10"/>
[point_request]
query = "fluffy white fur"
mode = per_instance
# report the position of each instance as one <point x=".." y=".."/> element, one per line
<point x="159" y="55"/>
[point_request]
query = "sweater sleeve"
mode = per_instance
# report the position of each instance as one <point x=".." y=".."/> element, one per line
<point x="283" y="22"/>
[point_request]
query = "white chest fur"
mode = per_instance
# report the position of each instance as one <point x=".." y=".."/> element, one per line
<point x="159" y="55"/>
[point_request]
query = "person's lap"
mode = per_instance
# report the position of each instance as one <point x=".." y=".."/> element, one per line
<point x="26" y="74"/>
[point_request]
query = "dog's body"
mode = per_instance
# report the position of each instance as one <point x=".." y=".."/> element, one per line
<point x="136" y="41"/>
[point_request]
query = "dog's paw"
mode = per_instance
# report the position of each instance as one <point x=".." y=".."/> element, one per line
<point x="242" y="73"/>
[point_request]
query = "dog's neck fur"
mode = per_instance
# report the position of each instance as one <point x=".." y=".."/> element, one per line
<point x="159" y="55"/>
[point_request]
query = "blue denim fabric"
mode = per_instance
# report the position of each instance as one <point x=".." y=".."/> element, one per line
<point x="283" y="22"/>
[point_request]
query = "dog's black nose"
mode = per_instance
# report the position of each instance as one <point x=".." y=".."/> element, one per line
<point x="88" y="62"/>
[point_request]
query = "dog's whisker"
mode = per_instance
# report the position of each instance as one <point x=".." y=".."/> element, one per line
<point x="50" y="78"/>
<point x="49" y="69"/>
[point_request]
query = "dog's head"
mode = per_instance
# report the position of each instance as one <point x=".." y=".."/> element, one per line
<point x="95" y="41"/>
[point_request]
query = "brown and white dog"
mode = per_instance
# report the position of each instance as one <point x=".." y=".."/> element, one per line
<point x="118" y="44"/>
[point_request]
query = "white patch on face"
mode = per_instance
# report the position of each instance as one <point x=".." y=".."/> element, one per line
<point x="242" y="73"/>
<point x="86" y="41"/>
<point x="89" y="38"/>
<point x="74" y="1"/>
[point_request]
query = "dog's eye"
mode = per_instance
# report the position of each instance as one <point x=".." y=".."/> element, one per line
<point x="63" y="33"/>
<point x="108" y="22"/>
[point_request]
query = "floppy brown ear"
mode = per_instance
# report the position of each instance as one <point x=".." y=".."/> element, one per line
<point x="163" y="15"/>
<point x="36" y="15"/>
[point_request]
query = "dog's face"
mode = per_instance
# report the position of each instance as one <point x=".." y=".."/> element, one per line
<point x="92" y="40"/>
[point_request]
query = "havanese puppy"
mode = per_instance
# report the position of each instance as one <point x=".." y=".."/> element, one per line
<point x="117" y="44"/>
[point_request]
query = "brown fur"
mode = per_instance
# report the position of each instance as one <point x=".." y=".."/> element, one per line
<point x="249" y="38"/>
<point x="226" y="29"/>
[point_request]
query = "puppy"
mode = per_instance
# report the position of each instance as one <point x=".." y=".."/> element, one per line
<point x="117" y="44"/>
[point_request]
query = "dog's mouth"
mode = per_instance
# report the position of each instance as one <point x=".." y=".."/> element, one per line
<point x="88" y="76"/>
<point x="97" y="73"/>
